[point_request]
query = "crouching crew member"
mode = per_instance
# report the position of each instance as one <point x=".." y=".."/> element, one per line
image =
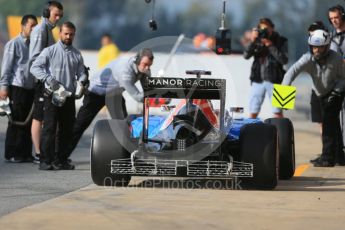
<point x="106" y="88"/>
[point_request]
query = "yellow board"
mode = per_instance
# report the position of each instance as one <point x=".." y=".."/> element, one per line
<point x="14" y="27"/>
<point x="284" y="96"/>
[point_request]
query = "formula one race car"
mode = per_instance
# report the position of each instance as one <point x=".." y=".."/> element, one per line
<point x="193" y="137"/>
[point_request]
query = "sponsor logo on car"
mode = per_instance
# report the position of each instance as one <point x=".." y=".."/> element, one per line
<point x="183" y="83"/>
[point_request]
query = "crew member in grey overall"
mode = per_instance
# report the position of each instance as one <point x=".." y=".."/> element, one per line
<point x="106" y="88"/>
<point x="42" y="37"/>
<point x="16" y="84"/>
<point x="59" y="65"/>
<point x="336" y="16"/>
<point x="327" y="71"/>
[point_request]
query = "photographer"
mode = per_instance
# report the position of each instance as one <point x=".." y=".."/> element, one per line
<point x="269" y="50"/>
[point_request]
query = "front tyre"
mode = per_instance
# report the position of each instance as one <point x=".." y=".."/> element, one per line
<point x="286" y="146"/>
<point x="258" y="145"/>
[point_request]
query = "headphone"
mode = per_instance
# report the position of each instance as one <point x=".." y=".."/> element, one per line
<point x="145" y="52"/>
<point x="340" y="9"/>
<point x="46" y="10"/>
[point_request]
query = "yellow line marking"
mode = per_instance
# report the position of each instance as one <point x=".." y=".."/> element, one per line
<point x="300" y="169"/>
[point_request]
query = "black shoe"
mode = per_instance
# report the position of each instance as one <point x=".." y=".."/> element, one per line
<point x="67" y="166"/>
<point x="315" y="160"/>
<point x="36" y="159"/>
<point x="340" y="163"/>
<point x="323" y="163"/>
<point x="63" y="165"/>
<point x="340" y="159"/>
<point x="15" y="160"/>
<point x="28" y="159"/>
<point x="69" y="160"/>
<point x="45" y="166"/>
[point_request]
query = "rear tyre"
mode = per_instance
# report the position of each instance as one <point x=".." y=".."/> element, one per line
<point x="258" y="145"/>
<point x="105" y="146"/>
<point x="286" y="146"/>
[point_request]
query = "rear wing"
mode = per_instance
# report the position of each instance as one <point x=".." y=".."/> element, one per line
<point x="184" y="88"/>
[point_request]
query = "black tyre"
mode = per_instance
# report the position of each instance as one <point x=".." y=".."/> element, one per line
<point x="105" y="146"/>
<point x="286" y="147"/>
<point x="258" y="145"/>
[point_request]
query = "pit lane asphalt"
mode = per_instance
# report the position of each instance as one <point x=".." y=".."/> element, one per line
<point x="22" y="184"/>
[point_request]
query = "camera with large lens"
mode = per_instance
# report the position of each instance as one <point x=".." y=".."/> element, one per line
<point x="263" y="33"/>
<point x="258" y="46"/>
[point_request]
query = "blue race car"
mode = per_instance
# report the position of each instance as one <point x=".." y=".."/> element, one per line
<point x="196" y="138"/>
